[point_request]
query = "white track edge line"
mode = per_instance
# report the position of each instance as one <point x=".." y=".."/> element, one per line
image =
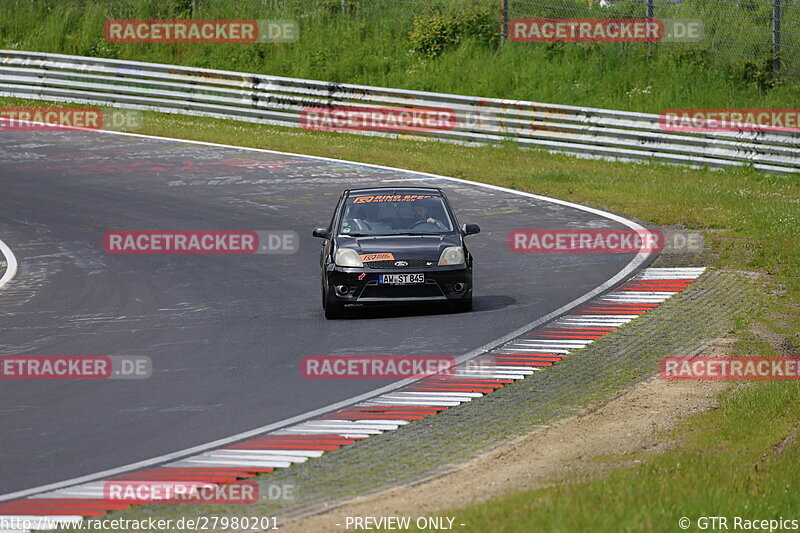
<point x="11" y="264"/>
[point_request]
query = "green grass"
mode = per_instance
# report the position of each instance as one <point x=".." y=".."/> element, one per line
<point x="729" y="463"/>
<point x="725" y="463"/>
<point x="373" y="48"/>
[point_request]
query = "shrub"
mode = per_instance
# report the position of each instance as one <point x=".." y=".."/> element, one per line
<point x="432" y="33"/>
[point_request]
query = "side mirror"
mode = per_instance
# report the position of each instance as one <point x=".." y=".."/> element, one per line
<point x="322" y="233"/>
<point x="470" y="229"/>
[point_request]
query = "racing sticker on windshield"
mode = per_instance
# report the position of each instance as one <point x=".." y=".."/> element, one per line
<point x="393" y="198"/>
<point x="367" y="258"/>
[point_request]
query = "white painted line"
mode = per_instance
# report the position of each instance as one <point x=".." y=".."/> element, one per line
<point x="376" y="420"/>
<point x="639" y="294"/>
<point x="675" y="269"/>
<point x="596" y="324"/>
<point x="632" y="301"/>
<point x="623" y="274"/>
<point x="298" y="453"/>
<point x="429" y="399"/>
<point x="420" y="403"/>
<point x="236" y="463"/>
<point x="249" y="458"/>
<point x="350" y="424"/>
<point x="581" y="320"/>
<point x="490" y="375"/>
<point x="346" y="434"/>
<point x="278" y="455"/>
<point x="333" y="430"/>
<point x="555" y="342"/>
<point x="485" y="369"/>
<point x="512" y="368"/>
<point x="541" y="347"/>
<point x="11" y="265"/>
<point x="595" y="318"/>
<point x="437" y="395"/>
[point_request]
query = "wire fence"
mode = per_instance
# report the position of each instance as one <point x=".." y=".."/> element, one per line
<point x="761" y="35"/>
<point x="765" y="33"/>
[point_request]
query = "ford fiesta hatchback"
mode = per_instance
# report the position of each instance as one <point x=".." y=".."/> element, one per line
<point x="394" y="245"/>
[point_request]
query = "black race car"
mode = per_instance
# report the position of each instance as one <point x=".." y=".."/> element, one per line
<point x="399" y="244"/>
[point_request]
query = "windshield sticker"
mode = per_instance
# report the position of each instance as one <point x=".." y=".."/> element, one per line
<point x="393" y="198"/>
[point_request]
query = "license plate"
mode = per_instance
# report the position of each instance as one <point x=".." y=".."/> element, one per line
<point x="402" y="279"/>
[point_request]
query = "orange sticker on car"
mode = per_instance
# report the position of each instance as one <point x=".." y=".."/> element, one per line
<point x="393" y="198"/>
<point x="368" y="258"/>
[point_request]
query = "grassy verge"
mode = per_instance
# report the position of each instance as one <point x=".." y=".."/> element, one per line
<point x="740" y="459"/>
<point x="377" y="47"/>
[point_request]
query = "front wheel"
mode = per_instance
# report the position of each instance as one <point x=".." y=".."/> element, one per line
<point x="333" y="309"/>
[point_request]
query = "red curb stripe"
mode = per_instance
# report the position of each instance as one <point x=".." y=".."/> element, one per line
<point x="540" y="355"/>
<point x="55" y="511"/>
<point x="579" y="337"/>
<point x="448" y="389"/>
<point x="533" y="359"/>
<point x="363" y="416"/>
<point x="614" y="312"/>
<point x="500" y="363"/>
<point x="60" y="503"/>
<point x="400" y="408"/>
<point x="446" y="385"/>
<point x="472" y="380"/>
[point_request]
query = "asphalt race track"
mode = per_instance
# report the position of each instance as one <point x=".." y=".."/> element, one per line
<point x="225" y="332"/>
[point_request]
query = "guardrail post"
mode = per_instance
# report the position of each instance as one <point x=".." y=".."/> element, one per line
<point x="776" y="36"/>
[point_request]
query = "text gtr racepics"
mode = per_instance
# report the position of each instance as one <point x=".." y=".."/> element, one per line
<point x="392" y="245"/>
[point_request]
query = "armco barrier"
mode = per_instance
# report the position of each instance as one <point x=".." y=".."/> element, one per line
<point x="584" y="131"/>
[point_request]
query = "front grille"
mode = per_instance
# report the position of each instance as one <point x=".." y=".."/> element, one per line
<point x="412" y="263"/>
<point x="426" y="290"/>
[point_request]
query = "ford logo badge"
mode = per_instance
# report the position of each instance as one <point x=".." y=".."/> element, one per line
<point x="400" y="264"/>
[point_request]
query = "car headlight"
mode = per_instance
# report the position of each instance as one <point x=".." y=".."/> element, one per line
<point x="345" y="257"/>
<point x="452" y="255"/>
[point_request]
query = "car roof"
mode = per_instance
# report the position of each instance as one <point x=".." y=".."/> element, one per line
<point x="392" y="190"/>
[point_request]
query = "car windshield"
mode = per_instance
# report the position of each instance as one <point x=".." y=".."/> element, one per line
<point x="396" y="214"/>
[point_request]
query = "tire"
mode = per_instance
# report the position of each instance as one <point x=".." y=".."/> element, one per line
<point x="464" y="305"/>
<point x="332" y="310"/>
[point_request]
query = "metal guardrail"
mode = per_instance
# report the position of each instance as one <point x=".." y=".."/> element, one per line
<point x="588" y="132"/>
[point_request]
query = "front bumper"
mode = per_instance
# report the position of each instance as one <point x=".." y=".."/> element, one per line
<point x="441" y="284"/>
